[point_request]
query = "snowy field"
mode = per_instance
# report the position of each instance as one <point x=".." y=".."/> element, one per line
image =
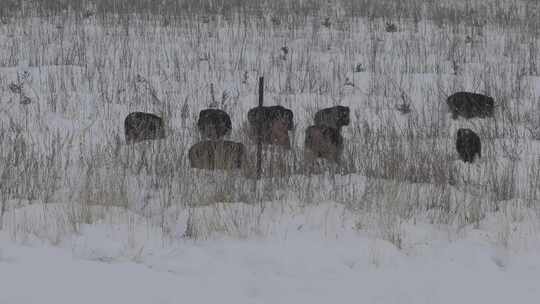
<point x="312" y="257"/>
<point x="86" y="218"/>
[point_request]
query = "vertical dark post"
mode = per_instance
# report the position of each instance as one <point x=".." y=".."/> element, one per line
<point x="261" y="91"/>
<point x="259" y="129"/>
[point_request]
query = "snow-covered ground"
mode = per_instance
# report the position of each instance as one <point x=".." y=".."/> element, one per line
<point x="85" y="218"/>
<point x="317" y="258"/>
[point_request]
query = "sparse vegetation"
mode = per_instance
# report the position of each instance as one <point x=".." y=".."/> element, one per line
<point x="396" y="211"/>
<point x="72" y="70"/>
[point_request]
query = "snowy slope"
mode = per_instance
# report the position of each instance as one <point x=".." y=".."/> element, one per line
<point x="86" y="218"/>
<point x="308" y="262"/>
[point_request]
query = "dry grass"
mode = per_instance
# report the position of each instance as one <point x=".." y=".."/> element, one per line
<point x="179" y="56"/>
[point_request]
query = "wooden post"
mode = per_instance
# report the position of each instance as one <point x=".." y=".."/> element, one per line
<point x="259" y="129"/>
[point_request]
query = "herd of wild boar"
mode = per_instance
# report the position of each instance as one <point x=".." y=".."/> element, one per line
<point x="273" y="123"/>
